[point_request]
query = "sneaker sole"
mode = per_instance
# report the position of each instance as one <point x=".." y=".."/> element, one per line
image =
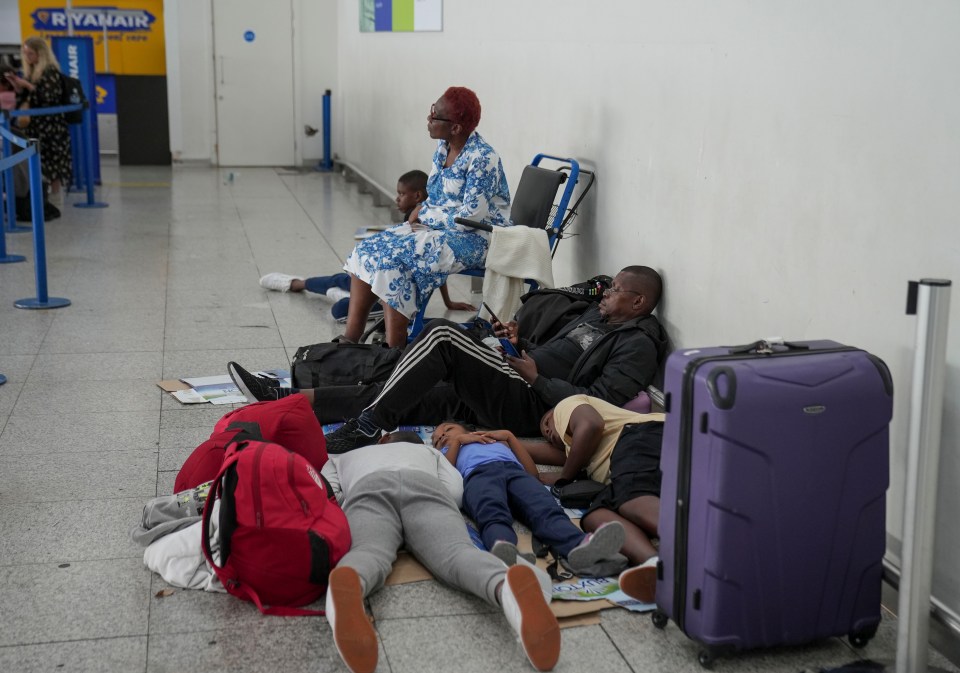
<point x="640" y="583"/>
<point x="509" y="553"/>
<point x="539" y="630"/>
<point x="353" y="635"/>
<point x="603" y="544"/>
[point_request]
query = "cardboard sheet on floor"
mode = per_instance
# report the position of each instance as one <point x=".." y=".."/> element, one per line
<point x="407" y="569"/>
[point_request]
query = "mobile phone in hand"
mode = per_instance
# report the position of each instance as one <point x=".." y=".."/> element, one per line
<point x="509" y="348"/>
<point x="493" y="316"/>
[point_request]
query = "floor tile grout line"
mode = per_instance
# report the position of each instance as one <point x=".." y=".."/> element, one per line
<point x="69" y="562"/>
<point x="73" y="640"/>
<point x="616" y="647"/>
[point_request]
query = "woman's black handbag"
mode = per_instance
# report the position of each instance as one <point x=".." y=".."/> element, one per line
<point x="577" y="494"/>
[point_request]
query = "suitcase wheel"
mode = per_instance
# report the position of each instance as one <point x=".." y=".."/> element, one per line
<point x="861" y="638"/>
<point x="706" y="658"/>
<point x="659" y="618"/>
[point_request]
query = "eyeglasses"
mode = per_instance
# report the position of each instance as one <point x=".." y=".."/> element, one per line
<point x="618" y="290"/>
<point x="434" y="118"/>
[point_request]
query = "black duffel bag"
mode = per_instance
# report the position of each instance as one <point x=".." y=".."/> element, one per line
<point x="342" y="364"/>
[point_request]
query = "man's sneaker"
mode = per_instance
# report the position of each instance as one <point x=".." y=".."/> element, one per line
<point x="640" y="582"/>
<point x="348" y="437"/>
<point x="278" y="281"/>
<point x="530" y="616"/>
<point x="254" y="388"/>
<point x="336" y="293"/>
<point x="353" y="634"/>
<point x="508" y="553"/>
<point x="602" y="545"/>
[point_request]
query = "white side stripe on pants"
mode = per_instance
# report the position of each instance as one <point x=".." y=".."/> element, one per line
<point x="457" y="338"/>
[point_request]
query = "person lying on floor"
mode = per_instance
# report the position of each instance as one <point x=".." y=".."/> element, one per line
<point x="411" y="191"/>
<point x="402" y="491"/>
<point x="501" y="481"/>
<point x="620" y="449"/>
<point x="611" y="351"/>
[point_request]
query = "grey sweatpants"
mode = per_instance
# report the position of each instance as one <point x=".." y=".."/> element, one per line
<point x="385" y="509"/>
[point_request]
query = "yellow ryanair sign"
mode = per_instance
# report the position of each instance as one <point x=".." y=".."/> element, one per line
<point x="133" y="30"/>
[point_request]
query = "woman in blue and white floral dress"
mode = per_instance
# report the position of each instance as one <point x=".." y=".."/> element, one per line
<point x="410" y="260"/>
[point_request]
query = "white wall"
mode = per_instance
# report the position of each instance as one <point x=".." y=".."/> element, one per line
<point x="190" y="92"/>
<point x="9" y="22"/>
<point x="317" y="24"/>
<point x="190" y="75"/>
<point x="788" y="165"/>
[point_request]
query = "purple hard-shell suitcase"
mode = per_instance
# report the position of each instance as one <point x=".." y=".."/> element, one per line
<point x="775" y="470"/>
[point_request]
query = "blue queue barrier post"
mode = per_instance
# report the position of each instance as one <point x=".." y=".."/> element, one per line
<point x="3" y="379"/>
<point x="86" y="147"/>
<point x="39" y="242"/>
<point x="10" y="211"/>
<point x="86" y="130"/>
<point x="327" y="163"/>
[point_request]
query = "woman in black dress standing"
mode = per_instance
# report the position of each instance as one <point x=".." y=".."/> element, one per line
<point x="41" y="86"/>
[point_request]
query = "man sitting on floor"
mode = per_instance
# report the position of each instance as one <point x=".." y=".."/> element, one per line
<point x="611" y="351"/>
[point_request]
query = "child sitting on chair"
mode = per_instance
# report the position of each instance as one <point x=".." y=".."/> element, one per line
<point x="411" y="190"/>
<point x="500" y="481"/>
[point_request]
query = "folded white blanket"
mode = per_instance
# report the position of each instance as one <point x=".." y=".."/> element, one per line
<point x="515" y="253"/>
<point x="178" y="558"/>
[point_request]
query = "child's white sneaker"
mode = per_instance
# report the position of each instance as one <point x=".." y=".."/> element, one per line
<point x="336" y="293"/>
<point x="278" y="281"/>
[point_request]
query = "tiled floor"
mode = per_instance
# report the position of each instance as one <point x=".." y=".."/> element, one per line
<point x="164" y="285"/>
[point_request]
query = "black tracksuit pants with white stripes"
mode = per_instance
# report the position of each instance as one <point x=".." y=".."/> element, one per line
<point x="478" y="381"/>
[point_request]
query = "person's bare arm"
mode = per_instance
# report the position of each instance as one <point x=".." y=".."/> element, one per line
<point x="544" y="453"/>
<point x="454" y="305"/>
<point x="415" y="214"/>
<point x="453" y="449"/>
<point x="518" y="448"/>
<point x="585" y="430"/>
<point x="454" y="442"/>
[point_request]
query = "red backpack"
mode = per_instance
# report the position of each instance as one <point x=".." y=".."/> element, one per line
<point x="281" y="530"/>
<point x="290" y="422"/>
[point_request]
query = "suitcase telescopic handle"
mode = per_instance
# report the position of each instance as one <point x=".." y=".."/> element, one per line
<point x="765" y="346"/>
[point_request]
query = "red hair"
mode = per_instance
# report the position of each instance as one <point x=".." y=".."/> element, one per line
<point x="464" y="107"/>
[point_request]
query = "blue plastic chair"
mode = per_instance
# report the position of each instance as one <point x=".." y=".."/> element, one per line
<point x="542" y="200"/>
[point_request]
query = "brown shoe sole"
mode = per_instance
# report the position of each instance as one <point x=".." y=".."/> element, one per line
<point x="353" y="634"/>
<point x="539" y="631"/>
<point x="640" y="583"/>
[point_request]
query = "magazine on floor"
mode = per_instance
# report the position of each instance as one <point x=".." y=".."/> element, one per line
<point x="221" y="389"/>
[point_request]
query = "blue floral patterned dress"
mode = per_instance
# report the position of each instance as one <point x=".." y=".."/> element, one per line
<point x="406" y="262"/>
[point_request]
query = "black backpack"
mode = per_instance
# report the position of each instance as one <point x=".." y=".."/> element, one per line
<point x="343" y="364"/>
<point x="545" y="312"/>
<point x="71" y="93"/>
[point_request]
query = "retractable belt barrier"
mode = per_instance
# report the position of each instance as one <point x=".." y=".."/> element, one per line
<point x="85" y="164"/>
<point x="30" y="153"/>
